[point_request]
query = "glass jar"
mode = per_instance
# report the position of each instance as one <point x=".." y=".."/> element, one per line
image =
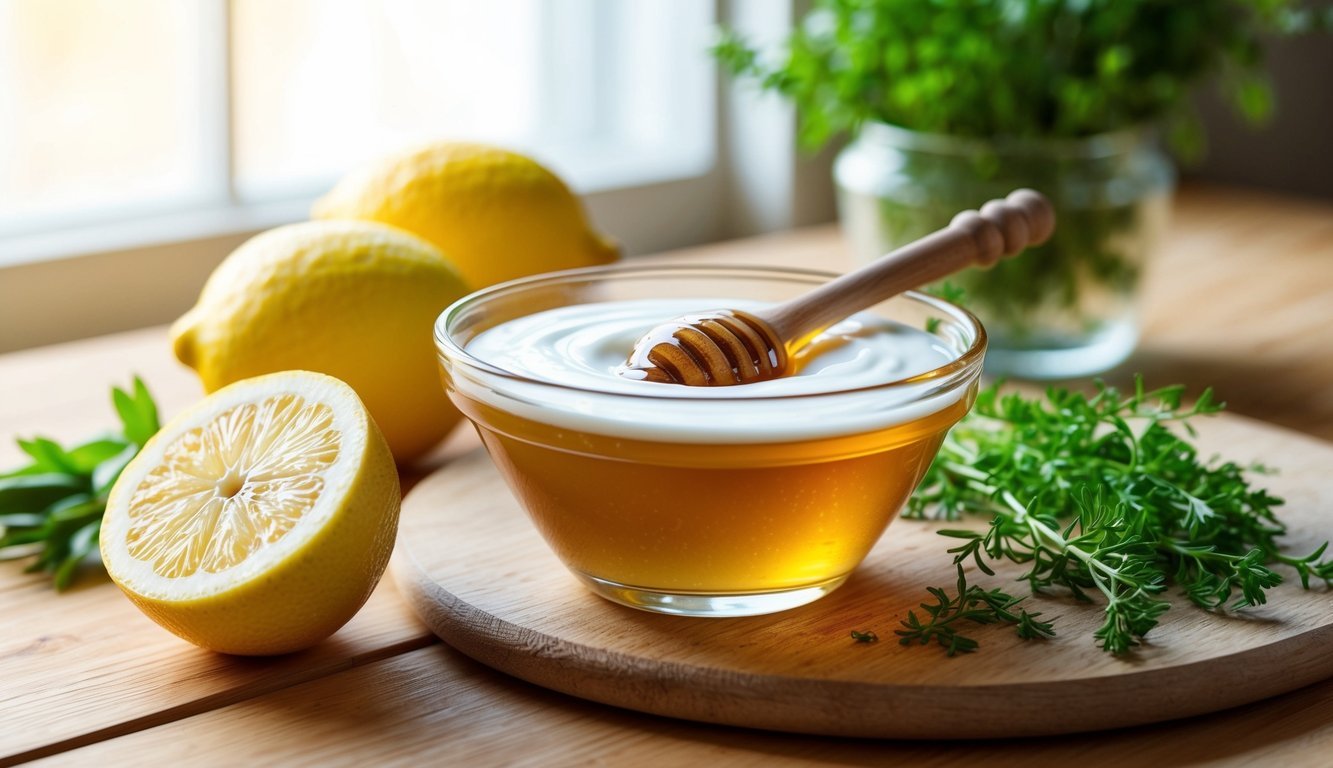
<point x="1067" y="308"/>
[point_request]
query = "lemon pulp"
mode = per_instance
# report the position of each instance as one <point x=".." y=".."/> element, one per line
<point x="233" y="486"/>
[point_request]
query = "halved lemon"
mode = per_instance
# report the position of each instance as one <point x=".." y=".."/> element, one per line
<point x="259" y="520"/>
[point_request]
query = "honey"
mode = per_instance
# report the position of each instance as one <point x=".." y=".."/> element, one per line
<point x="704" y="501"/>
<point x="711" y="518"/>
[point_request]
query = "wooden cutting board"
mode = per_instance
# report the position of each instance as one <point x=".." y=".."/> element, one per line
<point x="476" y="571"/>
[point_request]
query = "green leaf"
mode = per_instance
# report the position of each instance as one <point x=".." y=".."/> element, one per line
<point x="138" y="413"/>
<point x="86" y="457"/>
<point x="47" y="456"/>
<point x="74" y="507"/>
<point x="82" y="544"/>
<point x="20" y="520"/>
<point x="1254" y="98"/>
<point x="26" y="469"/>
<point x="34" y="493"/>
<point x="51" y="510"/>
<point x="106" y="473"/>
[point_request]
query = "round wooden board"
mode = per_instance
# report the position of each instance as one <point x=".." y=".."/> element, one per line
<point x="477" y="572"/>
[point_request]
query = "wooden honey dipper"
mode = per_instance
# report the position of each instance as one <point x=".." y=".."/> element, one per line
<point x="728" y="346"/>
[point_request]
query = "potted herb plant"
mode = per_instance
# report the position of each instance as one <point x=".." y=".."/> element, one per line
<point x="950" y="104"/>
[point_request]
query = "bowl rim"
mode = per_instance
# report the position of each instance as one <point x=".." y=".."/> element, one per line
<point x="955" y="369"/>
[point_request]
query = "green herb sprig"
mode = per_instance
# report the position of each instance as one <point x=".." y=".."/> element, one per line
<point x="972" y="604"/>
<point x="52" y="507"/>
<point x="1098" y="497"/>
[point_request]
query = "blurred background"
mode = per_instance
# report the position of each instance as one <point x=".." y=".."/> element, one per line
<point x="142" y="140"/>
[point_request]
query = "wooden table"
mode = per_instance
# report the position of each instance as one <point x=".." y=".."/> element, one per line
<point x="1240" y="299"/>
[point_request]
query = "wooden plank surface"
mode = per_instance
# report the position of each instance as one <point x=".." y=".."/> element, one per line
<point x="1240" y="299"/>
<point x="437" y="707"/>
<point x="87" y="665"/>
<point x="500" y="595"/>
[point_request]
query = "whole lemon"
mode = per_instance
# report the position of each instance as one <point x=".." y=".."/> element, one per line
<point x="354" y="300"/>
<point x="495" y="214"/>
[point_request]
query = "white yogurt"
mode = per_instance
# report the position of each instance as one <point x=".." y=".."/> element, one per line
<point x="581" y="348"/>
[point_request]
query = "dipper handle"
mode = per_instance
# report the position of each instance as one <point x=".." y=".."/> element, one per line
<point x="732" y="347"/>
<point x="1002" y="228"/>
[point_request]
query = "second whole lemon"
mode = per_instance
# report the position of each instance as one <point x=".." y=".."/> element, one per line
<point x="496" y="214"/>
<point x="354" y="300"/>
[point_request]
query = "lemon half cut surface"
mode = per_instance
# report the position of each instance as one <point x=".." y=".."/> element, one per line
<point x="258" y="521"/>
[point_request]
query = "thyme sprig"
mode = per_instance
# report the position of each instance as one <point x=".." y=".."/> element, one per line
<point x="973" y="604"/>
<point x="1099" y="498"/>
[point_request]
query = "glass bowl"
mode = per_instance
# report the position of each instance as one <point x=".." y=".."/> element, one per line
<point x="705" y="501"/>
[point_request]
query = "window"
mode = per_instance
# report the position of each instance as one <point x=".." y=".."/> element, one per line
<point x="121" y="118"/>
<point x="100" y="113"/>
<point x="143" y="140"/>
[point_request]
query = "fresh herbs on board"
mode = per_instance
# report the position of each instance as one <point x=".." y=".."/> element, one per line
<point x="52" y="506"/>
<point x="1098" y="498"/>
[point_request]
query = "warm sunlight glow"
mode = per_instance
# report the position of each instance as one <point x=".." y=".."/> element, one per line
<point x="319" y="86"/>
<point x="98" y="104"/>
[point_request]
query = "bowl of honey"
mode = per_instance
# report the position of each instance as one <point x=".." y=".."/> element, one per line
<point x="705" y="501"/>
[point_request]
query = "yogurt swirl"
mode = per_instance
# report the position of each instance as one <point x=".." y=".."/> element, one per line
<point x="836" y="389"/>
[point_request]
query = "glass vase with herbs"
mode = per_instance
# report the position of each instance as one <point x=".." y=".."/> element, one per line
<point x="950" y="104"/>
